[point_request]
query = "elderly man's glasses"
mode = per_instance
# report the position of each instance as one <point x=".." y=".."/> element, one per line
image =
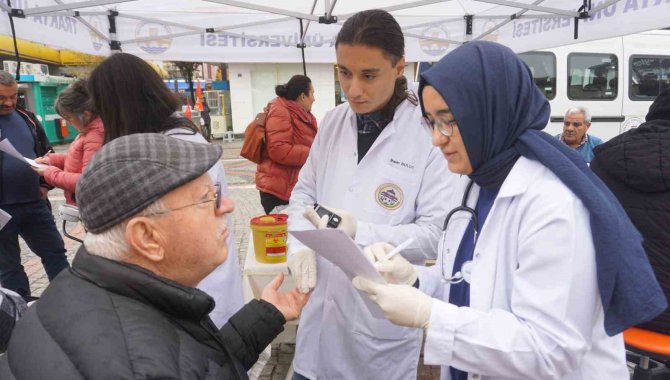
<point x="214" y="195"/>
<point x="446" y="128"/>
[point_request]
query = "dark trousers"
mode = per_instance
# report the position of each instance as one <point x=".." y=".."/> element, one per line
<point x="269" y="201"/>
<point x="35" y="224"/>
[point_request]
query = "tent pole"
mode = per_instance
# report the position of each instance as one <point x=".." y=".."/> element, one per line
<point x="397" y="7"/>
<point x="509" y="19"/>
<point x="196" y="30"/>
<point x="91" y="27"/>
<point x="329" y="12"/>
<point x="206" y="30"/>
<point x="530" y="7"/>
<point x="16" y="46"/>
<point x="583" y="14"/>
<point x="439" y="22"/>
<point x="262" y="8"/>
<point x="302" y="49"/>
<point x="303" y="35"/>
<point x="114" y="44"/>
<point x="77" y="15"/>
<point x="436" y="39"/>
<point x="468" y="27"/>
<point x="69" y="6"/>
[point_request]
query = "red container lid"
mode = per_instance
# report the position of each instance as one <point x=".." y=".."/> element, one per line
<point x="269" y="220"/>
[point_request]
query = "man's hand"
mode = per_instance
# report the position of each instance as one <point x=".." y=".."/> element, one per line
<point x="44" y="192"/>
<point x="397" y="270"/>
<point x="348" y="222"/>
<point x="302" y="266"/>
<point x="289" y="304"/>
<point x="403" y="305"/>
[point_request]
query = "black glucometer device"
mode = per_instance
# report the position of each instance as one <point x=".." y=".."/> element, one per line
<point x="333" y="219"/>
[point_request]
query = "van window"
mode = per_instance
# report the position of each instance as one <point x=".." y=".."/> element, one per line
<point x="649" y="76"/>
<point x="592" y="76"/>
<point x="543" y="67"/>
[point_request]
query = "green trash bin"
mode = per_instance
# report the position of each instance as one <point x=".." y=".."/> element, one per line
<point x="44" y="93"/>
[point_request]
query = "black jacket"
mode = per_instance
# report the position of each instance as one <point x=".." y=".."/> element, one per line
<point x="41" y="142"/>
<point x="104" y="319"/>
<point x="42" y="145"/>
<point x="636" y="167"/>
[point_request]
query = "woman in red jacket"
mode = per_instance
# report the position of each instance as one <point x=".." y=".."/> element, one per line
<point x="75" y="106"/>
<point x="290" y="129"/>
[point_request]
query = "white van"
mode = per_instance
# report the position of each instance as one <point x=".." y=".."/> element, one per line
<point x="617" y="79"/>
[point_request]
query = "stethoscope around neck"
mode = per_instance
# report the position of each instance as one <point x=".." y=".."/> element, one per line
<point x="464" y="273"/>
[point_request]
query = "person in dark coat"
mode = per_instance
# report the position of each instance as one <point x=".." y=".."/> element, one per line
<point x="206" y="120"/>
<point x="23" y="195"/>
<point x="12" y="306"/>
<point x="636" y="167"/>
<point x="128" y="308"/>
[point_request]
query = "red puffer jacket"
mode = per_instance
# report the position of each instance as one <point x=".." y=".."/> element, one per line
<point x="289" y="133"/>
<point x="64" y="169"/>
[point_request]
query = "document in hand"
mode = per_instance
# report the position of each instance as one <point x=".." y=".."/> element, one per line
<point x="335" y="246"/>
<point x="4" y="218"/>
<point x="7" y="147"/>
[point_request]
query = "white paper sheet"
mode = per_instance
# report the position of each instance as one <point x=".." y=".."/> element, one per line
<point x="34" y="164"/>
<point x="4" y="218"/>
<point x="8" y="148"/>
<point x="335" y="246"/>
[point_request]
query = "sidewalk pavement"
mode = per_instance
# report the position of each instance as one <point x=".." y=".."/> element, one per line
<point x="240" y="175"/>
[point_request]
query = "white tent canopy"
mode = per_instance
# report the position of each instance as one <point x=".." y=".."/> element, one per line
<point x="270" y="31"/>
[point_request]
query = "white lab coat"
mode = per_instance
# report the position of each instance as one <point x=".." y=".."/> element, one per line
<point x="535" y="310"/>
<point x="224" y="284"/>
<point x="337" y="337"/>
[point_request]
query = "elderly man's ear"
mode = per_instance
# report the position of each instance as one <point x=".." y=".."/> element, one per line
<point x="146" y="239"/>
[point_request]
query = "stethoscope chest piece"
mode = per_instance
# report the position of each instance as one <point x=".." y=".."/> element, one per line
<point x="466" y="271"/>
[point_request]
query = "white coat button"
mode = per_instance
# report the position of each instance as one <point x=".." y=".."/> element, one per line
<point x="351" y="189"/>
<point x="475" y="376"/>
<point x="477" y="255"/>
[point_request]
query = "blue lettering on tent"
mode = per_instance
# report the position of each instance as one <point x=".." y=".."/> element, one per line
<point x="606" y="12"/>
<point x="63" y="23"/>
<point x="253" y="41"/>
<point x="635" y="5"/>
<point x="539" y="25"/>
<point x="536" y="26"/>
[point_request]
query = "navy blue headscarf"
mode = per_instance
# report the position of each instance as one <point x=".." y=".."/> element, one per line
<point x="500" y="113"/>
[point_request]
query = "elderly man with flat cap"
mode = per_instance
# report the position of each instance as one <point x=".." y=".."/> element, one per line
<point x="128" y="308"/>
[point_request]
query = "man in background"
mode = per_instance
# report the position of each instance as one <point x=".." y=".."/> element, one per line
<point x="23" y="195"/>
<point x="575" y="126"/>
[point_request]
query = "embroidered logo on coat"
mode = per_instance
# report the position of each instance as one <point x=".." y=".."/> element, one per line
<point x="389" y="196"/>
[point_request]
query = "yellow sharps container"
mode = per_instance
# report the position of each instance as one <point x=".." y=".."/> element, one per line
<point x="270" y="235"/>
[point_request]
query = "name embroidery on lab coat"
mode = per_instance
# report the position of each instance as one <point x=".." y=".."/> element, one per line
<point x="389" y="196"/>
<point x="401" y="164"/>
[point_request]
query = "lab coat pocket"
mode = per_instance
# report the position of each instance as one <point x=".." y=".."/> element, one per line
<point x="389" y="352"/>
<point x="378" y="329"/>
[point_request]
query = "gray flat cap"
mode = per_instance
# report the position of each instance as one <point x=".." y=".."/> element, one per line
<point x="131" y="172"/>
